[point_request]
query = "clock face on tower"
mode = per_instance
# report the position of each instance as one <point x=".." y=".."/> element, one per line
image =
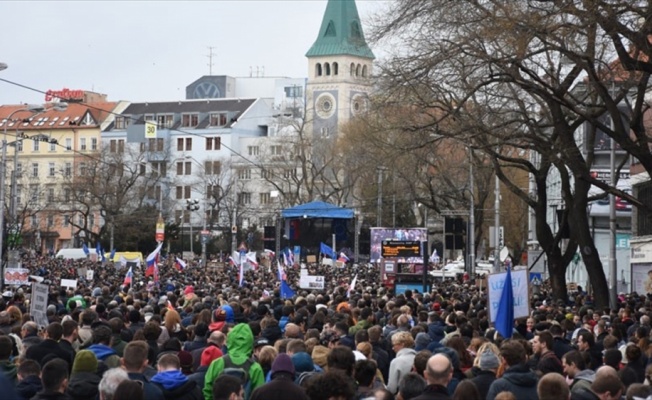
<point x="325" y="105"/>
<point x="206" y="90"/>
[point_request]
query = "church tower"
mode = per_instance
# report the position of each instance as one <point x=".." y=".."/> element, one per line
<point x="339" y="70"/>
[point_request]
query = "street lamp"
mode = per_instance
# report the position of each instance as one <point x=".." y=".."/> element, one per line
<point x="191" y="205"/>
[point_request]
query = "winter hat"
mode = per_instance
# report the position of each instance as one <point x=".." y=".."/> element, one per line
<point x="302" y="362"/>
<point x="422" y="341"/>
<point x="85" y="361"/>
<point x="260" y="342"/>
<point x="320" y="355"/>
<point x="209" y="354"/>
<point x="185" y="360"/>
<point x="230" y="316"/>
<point x="282" y="363"/>
<point x="97" y="292"/>
<point x="219" y="315"/>
<point x="189" y="290"/>
<point x="489" y="360"/>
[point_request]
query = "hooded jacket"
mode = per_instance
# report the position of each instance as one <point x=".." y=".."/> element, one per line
<point x="9" y="370"/>
<point x="582" y="380"/>
<point x="239" y="342"/>
<point x="83" y="386"/>
<point x="29" y="386"/>
<point x="399" y="367"/>
<point x="175" y="385"/>
<point x="106" y="355"/>
<point x="517" y="379"/>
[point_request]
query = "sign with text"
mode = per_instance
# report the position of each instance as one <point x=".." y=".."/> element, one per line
<point x="69" y="283"/>
<point x="520" y="287"/>
<point x="314" y="282"/>
<point x="39" y="304"/>
<point x="150" y="130"/>
<point x="400" y="248"/>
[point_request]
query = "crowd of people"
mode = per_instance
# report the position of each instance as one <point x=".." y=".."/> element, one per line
<point x="198" y="333"/>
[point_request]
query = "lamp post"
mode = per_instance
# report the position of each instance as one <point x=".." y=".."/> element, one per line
<point x="191" y="205"/>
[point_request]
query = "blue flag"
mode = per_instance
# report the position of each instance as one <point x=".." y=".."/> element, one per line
<point x="112" y="254"/>
<point x="85" y="248"/>
<point x="286" y="291"/>
<point x="327" y="250"/>
<point x="505" y="314"/>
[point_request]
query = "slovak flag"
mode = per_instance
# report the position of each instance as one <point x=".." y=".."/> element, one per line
<point x="241" y="274"/>
<point x="251" y="259"/>
<point x="281" y="273"/>
<point x="128" y="276"/>
<point x="180" y="264"/>
<point x="352" y="285"/>
<point x="343" y="258"/>
<point x="232" y="261"/>
<point x="269" y="253"/>
<point x="152" y="260"/>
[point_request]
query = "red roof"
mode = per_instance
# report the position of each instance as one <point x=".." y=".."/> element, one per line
<point x="53" y="119"/>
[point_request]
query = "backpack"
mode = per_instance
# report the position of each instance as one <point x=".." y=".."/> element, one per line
<point x="239" y="371"/>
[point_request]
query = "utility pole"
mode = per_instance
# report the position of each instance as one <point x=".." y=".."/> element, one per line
<point x="191" y="205"/>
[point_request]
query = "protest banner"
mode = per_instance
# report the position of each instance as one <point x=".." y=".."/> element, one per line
<point x="315" y="282"/>
<point x="39" y="304"/>
<point x="17" y="276"/>
<point x="520" y="286"/>
<point x="69" y="283"/>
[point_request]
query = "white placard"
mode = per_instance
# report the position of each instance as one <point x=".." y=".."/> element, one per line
<point x="17" y="276"/>
<point x="69" y="283"/>
<point x="520" y="287"/>
<point x="82" y="271"/>
<point x="315" y="282"/>
<point x="39" y="304"/>
<point x="90" y="274"/>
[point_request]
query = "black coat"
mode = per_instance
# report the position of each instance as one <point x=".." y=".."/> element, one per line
<point x="434" y="392"/>
<point x="43" y="395"/>
<point x="561" y="346"/>
<point x="187" y="391"/>
<point x="282" y="387"/>
<point x="29" y="386"/>
<point x="39" y="351"/>
<point x="482" y="381"/>
<point x="83" y="386"/>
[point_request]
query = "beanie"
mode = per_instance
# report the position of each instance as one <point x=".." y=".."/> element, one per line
<point x="489" y="360"/>
<point x="282" y="363"/>
<point x="209" y="354"/>
<point x="85" y="361"/>
<point x="302" y="362"/>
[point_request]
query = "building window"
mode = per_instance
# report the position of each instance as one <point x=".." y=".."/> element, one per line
<point x="288" y="173"/>
<point x="155" y="144"/>
<point x="82" y="144"/>
<point x="293" y="92"/>
<point x="36" y="145"/>
<point x="50" y="195"/>
<point x="276" y="150"/>
<point x="184" y="144"/>
<point x="265" y="198"/>
<point x="184" y="168"/>
<point x="335" y="68"/>
<point x="212" y="191"/>
<point x="214" y="143"/>
<point x="164" y="121"/>
<point x="19" y="146"/>
<point x="19" y="170"/>
<point x="82" y="169"/>
<point x="50" y="221"/>
<point x="244" y="174"/>
<point x="189" y="120"/>
<point x="93" y="144"/>
<point x="218" y="119"/>
<point x="159" y="168"/>
<point x="33" y="193"/>
<point x="318" y="69"/>
<point x="266" y="174"/>
<point x="66" y="221"/>
<point x="183" y="192"/>
<point x="34" y="221"/>
<point x="67" y="170"/>
<point x="364" y="71"/>
<point x="327" y="69"/>
<point x="644" y="218"/>
<point x="212" y="167"/>
<point x="53" y="147"/>
<point x="244" y="198"/>
<point x="34" y="170"/>
<point x="154" y="192"/>
<point x="51" y="169"/>
<point x="66" y="195"/>
<point x="115" y="146"/>
<point x="68" y="144"/>
<point x="253" y="150"/>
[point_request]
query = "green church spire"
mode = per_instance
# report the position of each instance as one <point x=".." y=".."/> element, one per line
<point x="340" y="32"/>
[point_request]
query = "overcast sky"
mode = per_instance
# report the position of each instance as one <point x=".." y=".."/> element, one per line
<point x="151" y="50"/>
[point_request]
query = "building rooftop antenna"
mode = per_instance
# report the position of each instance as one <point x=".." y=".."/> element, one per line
<point x="210" y="59"/>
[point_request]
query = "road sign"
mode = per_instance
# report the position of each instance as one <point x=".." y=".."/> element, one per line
<point x="400" y="248"/>
<point x="205" y="236"/>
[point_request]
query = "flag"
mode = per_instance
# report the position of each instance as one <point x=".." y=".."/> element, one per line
<point x="232" y="261"/>
<point x="326" y="250"/>
<point x="85" y="249"/>
<point x="241" y="275"/>
<point x="179" y="264"/>
<point x="434" y="257"/>
<point x="151" y="261"/>
<point x="281" y="273"/>
<point x="169" y="305"/>
<point x="112" y="254"/>
<point x="128" y="277"/>
<point x="286" y="291"/>
<point x="251" y="259"/>
<point x="504" y="321"/>
<point x="269" y="253"/>
<point x="343" y="258"/>
<point x="98" y="250"/>
<point x="352" y="285"/>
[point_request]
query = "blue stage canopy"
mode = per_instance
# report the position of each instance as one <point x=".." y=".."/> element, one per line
<point x="317" y="209"/>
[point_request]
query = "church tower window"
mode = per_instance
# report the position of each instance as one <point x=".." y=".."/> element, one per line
<point x="327" y="69"/>
<point x="318" y="69"/>
<point x="352" y="69"/>
<point x="335" y="68"/>
<point x="364" y="71"/>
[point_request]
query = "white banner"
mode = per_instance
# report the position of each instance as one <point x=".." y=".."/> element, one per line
<point x="315" y="282"/>
<point x="69" y="283"/>
<point x="520" y="287"/>
<point x="17" y="276"/>
<point x="39" y="304"/>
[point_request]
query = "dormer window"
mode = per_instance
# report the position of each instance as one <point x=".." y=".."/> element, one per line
<point x="165" y="121"/>
<point x="218" y="119"/>
<point x="189" y="120"/>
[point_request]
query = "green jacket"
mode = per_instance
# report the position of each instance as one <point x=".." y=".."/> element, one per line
<point x="364" y="324"/>
<point x="240" y="343"/>
<point x="9" y="369"/>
